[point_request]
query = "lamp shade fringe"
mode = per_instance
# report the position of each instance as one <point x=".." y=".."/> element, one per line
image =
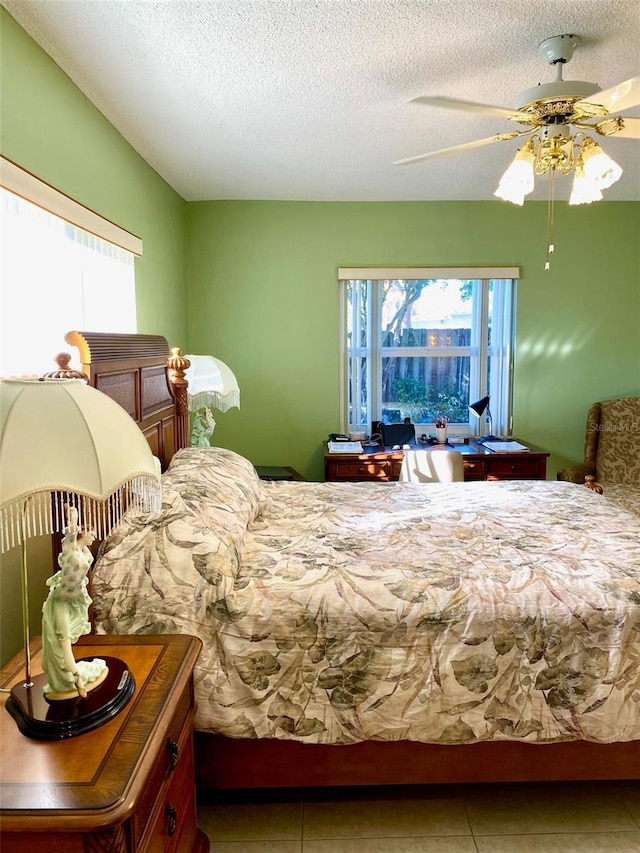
<point x="43" y="513"/>
<point x="223" y="401"/>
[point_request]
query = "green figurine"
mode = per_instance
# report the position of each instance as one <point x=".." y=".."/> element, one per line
<point x="65" y="617"/>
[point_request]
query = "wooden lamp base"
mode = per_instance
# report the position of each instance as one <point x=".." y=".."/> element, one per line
<point x="42" y="719"/>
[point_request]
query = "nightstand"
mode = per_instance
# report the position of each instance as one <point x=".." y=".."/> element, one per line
<point x="126" y="787"/>
<point x="275" y="472"/>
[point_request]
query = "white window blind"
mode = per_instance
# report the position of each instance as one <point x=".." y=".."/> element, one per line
<point x="56" y="277"/>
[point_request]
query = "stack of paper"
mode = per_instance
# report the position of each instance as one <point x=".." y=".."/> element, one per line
<point x="345" y="447"/>
<point x="505" y="446"/>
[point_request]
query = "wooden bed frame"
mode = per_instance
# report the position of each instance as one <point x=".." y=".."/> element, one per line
<point x="147" y="378"/>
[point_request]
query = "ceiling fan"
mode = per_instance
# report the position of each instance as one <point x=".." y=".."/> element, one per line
<point x="547" y="113"/>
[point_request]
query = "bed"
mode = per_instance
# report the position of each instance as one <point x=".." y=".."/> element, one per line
<point x="359" y="633"/>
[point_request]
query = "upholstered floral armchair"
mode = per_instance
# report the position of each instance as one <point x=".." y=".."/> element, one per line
<point x="611" y="449"/>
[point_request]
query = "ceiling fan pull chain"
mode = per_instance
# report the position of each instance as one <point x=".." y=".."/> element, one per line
<point x="550" y="211"/>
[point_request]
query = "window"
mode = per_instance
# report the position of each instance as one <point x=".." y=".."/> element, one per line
<point x="56" y="275"/>
<point x="421" y="343"/>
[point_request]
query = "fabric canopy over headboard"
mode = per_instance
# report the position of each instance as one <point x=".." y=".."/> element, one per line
<point x="144" y="376"/>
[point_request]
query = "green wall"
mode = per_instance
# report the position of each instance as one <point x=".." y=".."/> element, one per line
<point x="48" y="127"/>
<point x="262" y="286"/>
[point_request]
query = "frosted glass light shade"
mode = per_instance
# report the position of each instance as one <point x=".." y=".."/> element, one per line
<point x="60" y="438"/>
<point x="212" y="383"/>
<point x="584" y="189"/>
<point x="598" y="166"/>
<point x="518" y="181"/>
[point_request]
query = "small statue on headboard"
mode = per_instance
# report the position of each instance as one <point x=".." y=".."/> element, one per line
<point x="65" y="617"/>
<point x="202" y="427"/>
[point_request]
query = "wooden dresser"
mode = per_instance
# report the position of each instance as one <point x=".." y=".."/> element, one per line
<point x="126" y="787"/>
<point x="383" y="464"/>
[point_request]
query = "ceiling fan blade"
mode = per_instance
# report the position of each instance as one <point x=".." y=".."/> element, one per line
<point x="630" y="129"/>
<point x="617" y="98"/>
<point x="471" y="107"/>
<point x="614" y="127"/>
<point x="478" y="143"/>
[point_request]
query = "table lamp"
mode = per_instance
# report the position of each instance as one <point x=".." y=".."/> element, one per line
<point x="479" y="408"/>
<point x="212" y="384"/>
<point x="73" y="461"/>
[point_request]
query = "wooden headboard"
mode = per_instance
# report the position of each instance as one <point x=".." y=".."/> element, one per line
<point x="146" y="377"/>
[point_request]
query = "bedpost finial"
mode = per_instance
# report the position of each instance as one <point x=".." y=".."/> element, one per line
<point x="177" y="362"/>
<point x="64" y="371"/>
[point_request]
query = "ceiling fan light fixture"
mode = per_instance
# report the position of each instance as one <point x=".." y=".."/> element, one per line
<point x="584" y="190"/>
<point x="518" y="181"/>
<point x="510" y="191"/>
<point x="554" y="151"/>
<point x="598" y="166"/>
<point x="554" y="117"/>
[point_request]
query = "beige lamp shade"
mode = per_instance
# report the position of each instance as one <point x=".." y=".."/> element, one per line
<point x="63" y="439"/>
<point x="212" y="384"/>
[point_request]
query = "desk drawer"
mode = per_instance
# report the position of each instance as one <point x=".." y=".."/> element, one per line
<point x="521" y="468"/>
<point x="475" y="469"/>
<point x="360" y="469"/>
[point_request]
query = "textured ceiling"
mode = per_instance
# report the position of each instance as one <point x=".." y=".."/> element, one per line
<point x="307" y="99"/>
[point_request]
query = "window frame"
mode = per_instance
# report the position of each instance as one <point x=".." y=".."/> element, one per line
<point x="479" y="352"/>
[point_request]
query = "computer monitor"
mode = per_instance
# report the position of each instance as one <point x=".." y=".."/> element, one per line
<point x="393" y="434"/>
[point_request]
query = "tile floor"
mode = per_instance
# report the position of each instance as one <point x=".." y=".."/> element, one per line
<point x="584" y="817"/>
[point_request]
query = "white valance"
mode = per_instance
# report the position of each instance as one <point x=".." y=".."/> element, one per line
<point x="399" y="273"/>
<point x="17" y="180"/>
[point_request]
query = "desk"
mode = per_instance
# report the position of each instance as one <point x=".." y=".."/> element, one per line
<point x="383" y="464"/>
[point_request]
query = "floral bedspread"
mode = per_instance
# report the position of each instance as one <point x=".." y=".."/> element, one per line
<point x="340" y="612"/>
